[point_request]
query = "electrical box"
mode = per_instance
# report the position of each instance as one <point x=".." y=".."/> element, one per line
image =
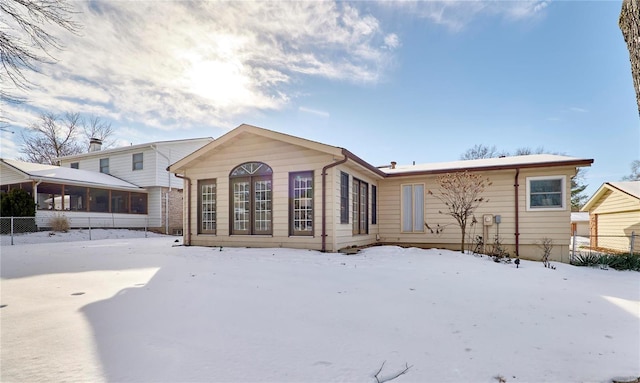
<point x="487" y="219"/>
<point x="498" y="219"/>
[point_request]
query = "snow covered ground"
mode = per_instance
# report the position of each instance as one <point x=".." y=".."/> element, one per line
<point x="149" y="310"/>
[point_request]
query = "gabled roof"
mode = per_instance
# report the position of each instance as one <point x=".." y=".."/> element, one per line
<point x="133" y="147"/>
<point x="254" y="130"/>
<point x="513" y="162"/>
<point x="630" y="188"/>
<point x="57" y="174"/>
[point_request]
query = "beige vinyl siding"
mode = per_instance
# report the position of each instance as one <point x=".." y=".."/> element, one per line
<point x="283" y="158"/>
<point x="344" y="231"/>
<point x="154" y="207"/>
<point x="618" y="215"/>
<point x="10" y="176"/>
<point x="501" y="201"/>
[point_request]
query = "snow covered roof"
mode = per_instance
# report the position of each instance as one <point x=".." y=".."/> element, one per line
<point x="204" y="140"/>
<point x="59" y="174"/>
<point x="579" y="217"/>
<point x="631" y="188"/>
<point x="535" y="160"/>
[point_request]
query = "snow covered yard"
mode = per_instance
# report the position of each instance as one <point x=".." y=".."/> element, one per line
<point x="144" y="310"/>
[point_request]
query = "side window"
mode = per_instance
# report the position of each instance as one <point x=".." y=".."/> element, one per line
<point x="374" y="204"/>
<point x="412" y="208"/>
<point x="344" y="197"/>
<point x="137" y="162"/>
<point x="104" y="165"/>
<point x="301" y="203"/>
<point x="75" y="165"/>
<point x="546" y="193"/>
<point x="207" y="206"/>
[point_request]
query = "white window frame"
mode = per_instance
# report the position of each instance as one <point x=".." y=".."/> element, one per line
<point x="416" y="227"/>
<point x="563" y="187"/>
<point x="134" y="161"/>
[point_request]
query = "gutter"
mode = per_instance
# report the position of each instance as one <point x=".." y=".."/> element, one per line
<point x="324" y="196"/>
<point x="517" y="233"/>
<point x="187" y="235"/>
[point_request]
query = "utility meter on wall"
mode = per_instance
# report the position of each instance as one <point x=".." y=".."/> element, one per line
<point x="487" y="219"/>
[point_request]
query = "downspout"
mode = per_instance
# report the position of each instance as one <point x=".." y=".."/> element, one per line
<point x="324" y="198"/>
<point x="166" y="195"/>
<point x="188" y="193"/>
<point x="517" y="233"/>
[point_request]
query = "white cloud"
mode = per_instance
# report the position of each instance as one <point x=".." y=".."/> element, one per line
<point x="456" y="15"/>
<point x="174" y="64"/>
<point x="316" y="112"/>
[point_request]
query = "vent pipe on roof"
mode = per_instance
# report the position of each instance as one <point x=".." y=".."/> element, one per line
<point x="95" y="145"/>
<point x="393" y="164"/>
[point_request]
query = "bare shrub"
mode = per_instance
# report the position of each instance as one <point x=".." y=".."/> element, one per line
<point x="59" y="223"/>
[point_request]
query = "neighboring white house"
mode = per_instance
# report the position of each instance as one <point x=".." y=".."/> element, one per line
<point x="144" y="165"/>
<point x="580" y="224"/>
<point x="87" y="199"/>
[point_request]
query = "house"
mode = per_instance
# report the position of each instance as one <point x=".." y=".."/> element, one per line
<point x="580" y="224"/>
<point x="614" y="212"/>
<point x="144" y="165"/>
<point x="78" y="194"/>
<point x="259" y="188"/>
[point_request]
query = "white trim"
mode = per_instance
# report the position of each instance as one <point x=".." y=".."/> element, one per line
<point x="563" y="186"/>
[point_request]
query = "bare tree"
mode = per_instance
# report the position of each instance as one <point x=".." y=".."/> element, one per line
<point x="461" y="193"/>
<point x="635" y="172"/>
<point x="25" y="40"/>
<point x="51" y="137"/>
<point x="480" y="151"/>
<point x="629" y="23"/>
<point x="97" y="128"/>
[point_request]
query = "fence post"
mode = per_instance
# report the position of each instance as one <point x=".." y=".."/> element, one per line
<point x="633" y="239"/>
<point x="89" y="228"/>
<point x="12" y="230"/>
<point x="573" y="246"/>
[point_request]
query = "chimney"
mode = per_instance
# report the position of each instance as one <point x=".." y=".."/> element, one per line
<point x="393" y="164"/>
<point x="95" y="145"/>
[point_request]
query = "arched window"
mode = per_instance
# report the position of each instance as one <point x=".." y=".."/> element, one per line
<point x="251" y="199"/>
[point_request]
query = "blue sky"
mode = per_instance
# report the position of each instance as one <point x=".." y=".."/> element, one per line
<point x="390" y="81"/>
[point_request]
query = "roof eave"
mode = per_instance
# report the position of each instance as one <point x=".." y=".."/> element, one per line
<point x="576" y="163"/>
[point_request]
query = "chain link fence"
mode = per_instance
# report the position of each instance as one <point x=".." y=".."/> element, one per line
<point x="26" y="230"/>
<point x="600" y="245"/>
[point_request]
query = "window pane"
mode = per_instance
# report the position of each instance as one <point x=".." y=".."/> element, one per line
<point x="104" y="165"/>
<point x="545" y="193"/>
<point x="208" y="206"/>
<point x="119" y="201"/>
<point x="75" y="198"/>
<point x="241" y="205"/>
<point x="302" y="203"/>
<point x="418" y="206"/>
<point x="99" y="200"/>
<point x="262" y="206"/>
<point x="407" y="207"/>
<point x="49" y="197"/>
<point x="139" y="203"/>
<point x="344" y="197"/>
<point x="137" y="161"/>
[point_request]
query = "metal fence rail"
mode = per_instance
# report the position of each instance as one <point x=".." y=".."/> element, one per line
<point x="604" y="245"/>
<point x="17" y="230"/>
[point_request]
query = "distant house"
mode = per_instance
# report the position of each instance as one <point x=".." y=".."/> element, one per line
<point x="580" y="224"/>
<point x="78" y="194"/>
<point x="259" y="188"/>
<point x="144" y="165"/>
<point x="614" y="212"/>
